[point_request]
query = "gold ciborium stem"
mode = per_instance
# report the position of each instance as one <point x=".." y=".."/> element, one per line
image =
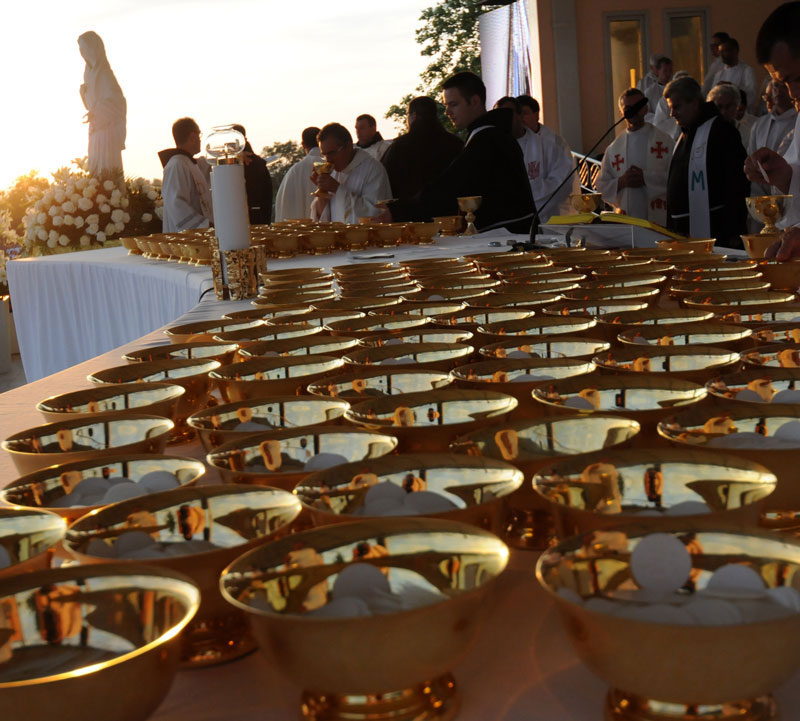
<point x="470" y="229"/>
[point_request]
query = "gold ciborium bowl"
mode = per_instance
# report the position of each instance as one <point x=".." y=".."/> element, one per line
<point x="428" y="356"/>
<point x="586" y="202"/>
<point x="699" y="333"/>
<point x="596" y="308"/>
<point x="362" y="382"/>
<point x="646" y="399"/>
<point x="282" y="458"/>
<point x="399" y="288"/>
<point x="556" y="347"/>
<point x="781" y="276"/>
<point x="435" y="577"/>
<point x="27" y="539"/>
<point x="195" y="531"/>
<point x="769" y="210"/>
<point x="450" y="225"/>
<point x="429" y="421"/>
<point x="448" y="294"/>
<point x="377" y="323"/>
<point x="629" y="280"/>
<point x="684" y="289"/>
<point x="428" y="308"/>
<point x="57" y="488"/>
<point x="696" y="363"/>
<point x="361" y="303"/>
<point x="191" y="374"/>
<point x="314" y="317"/>
<point x="84" y="439"/>
<point x="774" y="355"/>
<point x="455" y="487"/>
<point x="645" y="292"/>
<point x="612" y="323"/>
<point x="470" y="205"/>
<point x="425" y="335"/>
<point x="158" y="399"/>
<point x="658" y="666"/>
<point x="319" y="344"/>
<point x="92" y="639"/>
<point x="263" y="376"/>
<point x="763" y="434"/>
<point x="753" y="301"/>
<point x="525" y="301"/>
<point x="701" y="247"/>
<point x="766" y="388"/>
<point x="540" y="325"/>
<point x="518" y="377"/>
<point x="222" y="352"/>
<point x="221" y="424"/>
<point x="776" y="333"/>
<point x="205" y="330"/>
<point x="296" y="329"/>
<point x="263" y="313"/>
<point x="654" y="487"/>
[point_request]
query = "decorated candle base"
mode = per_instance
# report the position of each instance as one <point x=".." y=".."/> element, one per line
<point x="436" y="700"/>
<point x="621" y="706"/>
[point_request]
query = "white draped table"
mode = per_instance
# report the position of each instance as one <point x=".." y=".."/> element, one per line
<point x="522" y="667"/>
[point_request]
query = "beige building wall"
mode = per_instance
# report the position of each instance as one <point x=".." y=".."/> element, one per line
<point x="565" y="94"/>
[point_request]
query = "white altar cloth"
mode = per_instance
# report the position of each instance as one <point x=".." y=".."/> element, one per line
<point x="71" y="307"/>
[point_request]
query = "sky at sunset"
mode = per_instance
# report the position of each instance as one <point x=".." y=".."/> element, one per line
<point x="274" y="66"/>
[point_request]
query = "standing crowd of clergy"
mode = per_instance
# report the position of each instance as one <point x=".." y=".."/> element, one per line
<point x="692" y="150"/>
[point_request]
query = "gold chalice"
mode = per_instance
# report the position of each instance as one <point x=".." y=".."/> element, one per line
<point x="435" y="577"/>
<point x="360" y="383"/>
<point x="322" y="168"/>
<point x="469" y="205"/>
<point x="663" y="661"/>
<point x="429" y="356"/>
<point x="586" y="202"/>
<point x="195" y="531"/>
<point x="98" y="639"/>
<point x="769" y="210"/>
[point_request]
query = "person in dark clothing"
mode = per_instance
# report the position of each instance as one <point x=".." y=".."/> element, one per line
<point x="706" y="187"/>
<point x="419" y="156"/>
<point x="490" y="165"/>
<point x="257" y="183"/>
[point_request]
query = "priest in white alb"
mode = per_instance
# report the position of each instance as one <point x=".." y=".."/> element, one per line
<point x="547" y="162"/>
<point x="736" y="72"/>
<point x="356" y="183"/>
<point x="294" y="197"/>
<point x="186" y="188"/>
<point x="633" y="174"/>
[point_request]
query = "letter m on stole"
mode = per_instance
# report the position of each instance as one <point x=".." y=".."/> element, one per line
<point x="698" y="178"/>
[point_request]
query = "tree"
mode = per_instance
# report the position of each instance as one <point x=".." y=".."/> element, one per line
<point x="449" y="36"/>
<point x="285" y="155"/>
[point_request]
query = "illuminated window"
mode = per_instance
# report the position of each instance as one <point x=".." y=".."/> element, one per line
<point x="687" y="41"/>
<point x="625" y="53"/>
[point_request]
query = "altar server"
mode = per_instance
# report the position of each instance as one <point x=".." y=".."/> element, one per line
<point x="706" y="186"/>
<point x="736" y="72"/>
<point x="185" y="190"/>
<point x="547" y="162"/>
<point x="656" y="90"/>
<point x="490" y="165"/>
<point x="369" y="138"/>
<point x="355" y="185"/>
<point x="633" y="174"/>
<point x="294" y="196"/>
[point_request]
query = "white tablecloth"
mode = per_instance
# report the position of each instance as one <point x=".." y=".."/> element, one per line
<point x="522" y="667"/>
<point x="69" y="308"/>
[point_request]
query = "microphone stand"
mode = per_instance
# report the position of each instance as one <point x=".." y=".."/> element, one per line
<point x="535" y="224"/>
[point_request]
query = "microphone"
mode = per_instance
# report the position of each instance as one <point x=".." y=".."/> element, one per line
<point x="535" y="225"/>
<point x="634" y="109"/>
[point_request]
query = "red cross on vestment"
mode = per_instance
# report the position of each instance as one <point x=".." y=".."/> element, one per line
<point x="659" y="150"/>
<point x="617" y="162"/>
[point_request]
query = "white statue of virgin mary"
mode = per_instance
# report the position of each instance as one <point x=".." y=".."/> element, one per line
<point x="107" y="109"/>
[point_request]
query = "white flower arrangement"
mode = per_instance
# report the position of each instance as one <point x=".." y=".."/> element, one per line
<point x="79" y="211"/>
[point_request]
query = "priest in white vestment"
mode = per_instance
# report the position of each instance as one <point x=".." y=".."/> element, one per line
<point x="716" y="64"/>
<point x="294" y="196"/>
<point x="736" y="72"/>
<point x="633" y="174"/>
<point x="655" y="92"/>
<point x="185" y="189"/>
<point x="356" y="184"/>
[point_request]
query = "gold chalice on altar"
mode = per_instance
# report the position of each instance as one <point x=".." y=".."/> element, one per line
<point x="586" y="202"/>
<point x="469" y="205"/>
<point x="663" y="662"/>
<point x="322" y="167"/>
<point x="393" y="662"/>
<point x="769" y="210"/>
<point x="196" y="531"/>
<point x="99" y="638"/>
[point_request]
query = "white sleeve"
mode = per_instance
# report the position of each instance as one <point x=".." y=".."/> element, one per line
<point x="176" y="191"/>
<point x="792" y="217"/>
<point x="606" y="182"/>
<point x="366" y="193"/>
